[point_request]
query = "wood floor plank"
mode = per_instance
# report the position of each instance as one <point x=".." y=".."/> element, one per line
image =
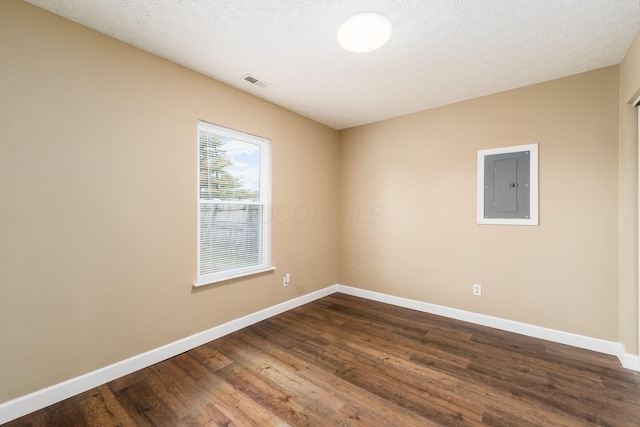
<point x="283" y="373"/>
<point x="209" y="416"/>
<point x="285" y="405"/>
<point x="380" y="372"/>
<point x="115" y="413"/>
<point x="211" y="387"/>
<point x="144" y="407"/>
<point x="371" y="405"/>
<point x="346" y="361"/>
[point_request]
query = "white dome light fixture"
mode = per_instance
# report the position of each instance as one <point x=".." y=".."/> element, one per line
<point x="364" y="32"/>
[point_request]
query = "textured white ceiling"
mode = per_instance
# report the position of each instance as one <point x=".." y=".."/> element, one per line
<point x="440" y="52"/>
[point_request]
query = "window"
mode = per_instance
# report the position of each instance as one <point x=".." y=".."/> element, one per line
<point x="234" y="196"/>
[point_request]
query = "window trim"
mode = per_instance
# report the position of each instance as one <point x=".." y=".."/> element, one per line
<point x="265" y="193"/>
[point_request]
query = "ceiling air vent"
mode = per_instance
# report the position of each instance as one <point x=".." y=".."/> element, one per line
<point x="251" y="79"/>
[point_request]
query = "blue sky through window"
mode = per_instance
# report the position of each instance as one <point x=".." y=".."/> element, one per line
<point x="246" y="162"/>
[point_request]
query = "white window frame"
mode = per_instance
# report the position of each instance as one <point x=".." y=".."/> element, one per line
<point x="533" y="191"/>
<point x="265" y="201"/>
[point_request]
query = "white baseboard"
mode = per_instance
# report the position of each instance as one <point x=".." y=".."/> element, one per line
<point x="24" y="405"/>
<point x="628" y="361"/>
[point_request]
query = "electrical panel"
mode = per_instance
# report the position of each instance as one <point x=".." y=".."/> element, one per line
<point x="506" y="185"/>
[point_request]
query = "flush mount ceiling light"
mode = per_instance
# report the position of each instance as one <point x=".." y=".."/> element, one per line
<point x="364" y="32"/>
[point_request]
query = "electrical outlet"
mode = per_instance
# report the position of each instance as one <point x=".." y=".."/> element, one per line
<point x="285" y="280"/>
<point x="358" y="271"/>
<point x="477" y="290"/>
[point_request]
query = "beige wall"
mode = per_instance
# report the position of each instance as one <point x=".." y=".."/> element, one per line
<point x="98" y="201"/>
<point x="628" y="179"/>
<point x="418" y="175"/>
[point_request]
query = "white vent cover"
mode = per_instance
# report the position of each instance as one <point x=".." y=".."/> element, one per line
<point x="254" y="80"/>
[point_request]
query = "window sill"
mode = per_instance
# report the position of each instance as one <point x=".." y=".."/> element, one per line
<point x="216" y="278"/>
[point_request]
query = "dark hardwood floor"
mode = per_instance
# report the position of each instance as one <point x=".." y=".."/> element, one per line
<point x="343" y="361"/>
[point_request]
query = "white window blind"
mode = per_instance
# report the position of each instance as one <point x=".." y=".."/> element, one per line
<point x="234" y="190"/>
